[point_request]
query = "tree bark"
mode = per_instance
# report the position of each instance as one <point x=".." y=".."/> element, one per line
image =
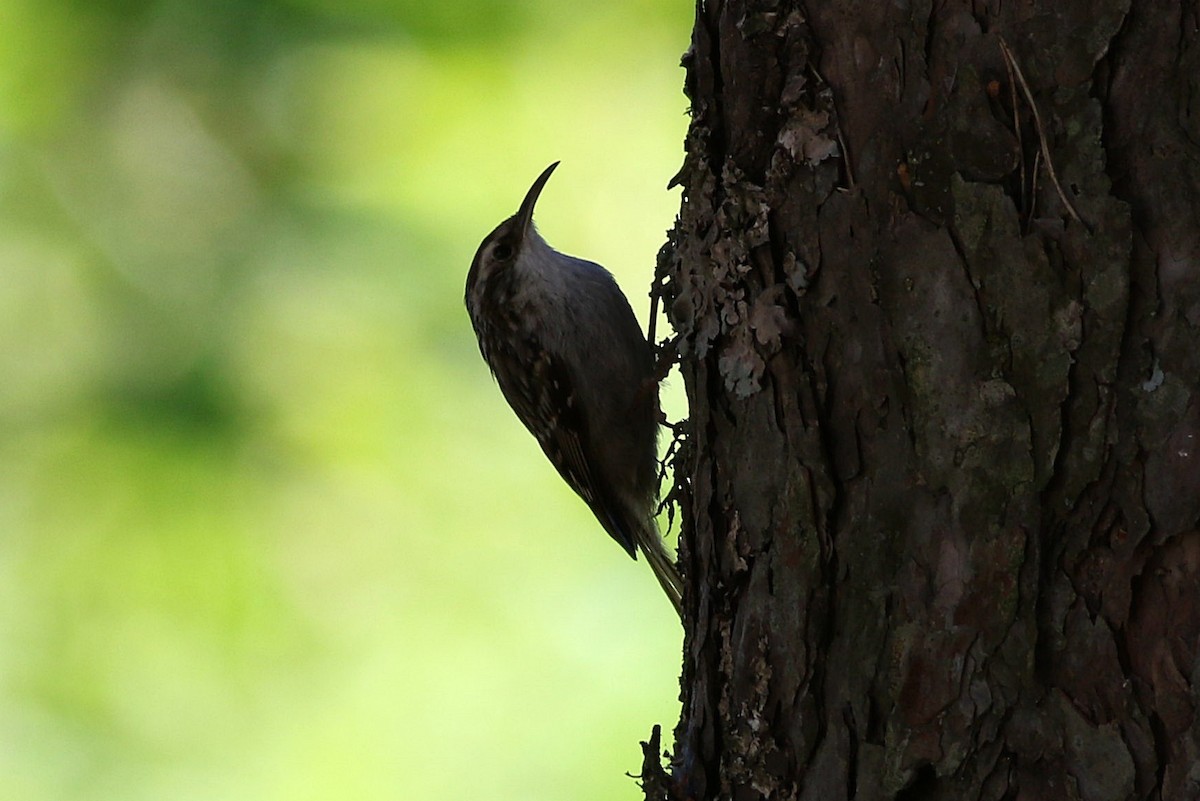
<point x="940" y="483"/>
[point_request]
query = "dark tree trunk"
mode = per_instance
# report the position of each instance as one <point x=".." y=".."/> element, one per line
<point x="941" y="481"/>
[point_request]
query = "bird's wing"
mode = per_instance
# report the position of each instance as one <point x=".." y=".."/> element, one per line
<point x="542" y="395"/>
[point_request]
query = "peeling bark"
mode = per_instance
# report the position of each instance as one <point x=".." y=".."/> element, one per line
<point x="941" y="481"/>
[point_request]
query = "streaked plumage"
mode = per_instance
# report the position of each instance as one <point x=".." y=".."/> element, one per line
<point x="570" y="358"/>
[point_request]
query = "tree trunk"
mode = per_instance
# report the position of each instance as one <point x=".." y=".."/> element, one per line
<point x="939" y="321"/>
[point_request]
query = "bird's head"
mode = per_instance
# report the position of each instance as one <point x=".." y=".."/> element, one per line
<point x="504" y="246"/>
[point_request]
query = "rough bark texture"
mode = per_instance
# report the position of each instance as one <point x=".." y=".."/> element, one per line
<point x="941" y="484"/>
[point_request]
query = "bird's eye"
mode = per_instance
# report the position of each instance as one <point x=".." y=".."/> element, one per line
<point x="502" y="251"/>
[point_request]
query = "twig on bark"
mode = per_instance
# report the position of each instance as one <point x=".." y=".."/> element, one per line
<point x="1015" y="68"/>
<point x="1037" y="161"/>
<point x="1012" y="92"/>
<point x="845" y="158"/>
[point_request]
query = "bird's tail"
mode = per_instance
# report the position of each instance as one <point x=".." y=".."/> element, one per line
<point x="662" y="564"/>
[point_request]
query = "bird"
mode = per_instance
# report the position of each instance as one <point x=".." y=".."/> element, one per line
<point x="563" y="344"/>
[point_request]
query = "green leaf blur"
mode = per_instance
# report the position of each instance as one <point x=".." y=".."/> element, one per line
<point x="267" y="528"/>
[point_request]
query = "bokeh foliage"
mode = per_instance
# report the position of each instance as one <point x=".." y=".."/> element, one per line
<point x="267" y="530"/>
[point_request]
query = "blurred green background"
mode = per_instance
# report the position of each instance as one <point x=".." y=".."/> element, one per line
<point x="267" y="528"/>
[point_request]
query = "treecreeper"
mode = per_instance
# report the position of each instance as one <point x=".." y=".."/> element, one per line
<point x="569" y="357"/>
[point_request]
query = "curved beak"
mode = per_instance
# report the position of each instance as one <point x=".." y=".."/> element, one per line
<point x="524" y="215"/>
